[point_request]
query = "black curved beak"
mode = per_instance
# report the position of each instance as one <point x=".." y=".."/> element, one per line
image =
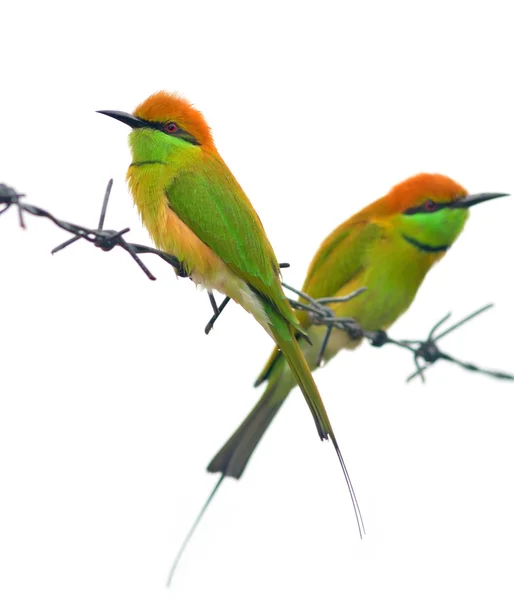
<point x="124" y="117"/>
<point x="473" y="199"/>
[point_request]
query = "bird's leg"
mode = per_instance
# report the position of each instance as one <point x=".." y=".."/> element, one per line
<point x="214" y="305"/>
<point x="219" y="310"/>
<point x="321" y="313"/>
<point x="324" y="344"/>
<point x="180" y="271"/>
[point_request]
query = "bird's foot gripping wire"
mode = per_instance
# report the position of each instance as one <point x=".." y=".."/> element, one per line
<point x="219" y="309"/>
<point x="322" y="314"/>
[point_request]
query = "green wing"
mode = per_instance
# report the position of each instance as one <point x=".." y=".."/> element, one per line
<point x="340" y="258"/>
<point x="213" y="205"/>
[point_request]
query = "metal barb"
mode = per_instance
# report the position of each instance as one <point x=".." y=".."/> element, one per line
<point x="430" y="353"/>
<point x="129" y="248"/>
<point x="100" y="222"/>
<point x="438" y="324"/>
<point x="463" y="321"/>
<point x="104" y="205"/>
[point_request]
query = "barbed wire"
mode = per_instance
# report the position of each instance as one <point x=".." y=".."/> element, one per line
<point x="106" y="239"/>
<point x="425" y="353"/>
<point x="426" y="350"/>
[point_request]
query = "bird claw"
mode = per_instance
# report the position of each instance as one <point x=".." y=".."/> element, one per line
<point x="181" y="271"/>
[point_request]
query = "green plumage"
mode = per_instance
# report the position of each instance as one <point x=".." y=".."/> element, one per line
<point x="331" y="269"/>
<point x="193" y="207"/>
<point x="209" y="200"/>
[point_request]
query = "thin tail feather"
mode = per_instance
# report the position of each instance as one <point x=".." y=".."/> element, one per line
<point x="233" y="457"/>
<point x="294" y="356"/>
<point x="192" y="530"/>
<point x="353" y="496"/>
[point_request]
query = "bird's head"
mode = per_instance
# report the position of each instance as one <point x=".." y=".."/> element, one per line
<point x="164" y="127"/>
<point x="430" y="210"/>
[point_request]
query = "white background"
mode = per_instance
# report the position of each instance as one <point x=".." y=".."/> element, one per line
<point x="112" y="398"/>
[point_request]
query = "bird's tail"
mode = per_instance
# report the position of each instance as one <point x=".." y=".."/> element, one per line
<point x="233" y="457"/>
<point x="300" y="369"/>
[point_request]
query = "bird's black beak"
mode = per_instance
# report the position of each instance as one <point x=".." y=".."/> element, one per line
<point x="473" y="199"/>
<point x="124" y="117"/>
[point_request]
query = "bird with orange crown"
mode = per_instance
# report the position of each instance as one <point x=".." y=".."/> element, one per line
<point x="388" y="247"/>
<point x="194" y="208"/>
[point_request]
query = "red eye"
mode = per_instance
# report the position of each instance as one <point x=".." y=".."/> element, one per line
<point x="171" y="127"/>
<point x="430" y="205"/>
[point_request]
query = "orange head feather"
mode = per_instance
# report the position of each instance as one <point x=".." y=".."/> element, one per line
<point x="414" y="191"/>
<point x="163" y="106"/>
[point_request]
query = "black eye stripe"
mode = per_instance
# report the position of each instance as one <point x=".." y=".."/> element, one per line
<point x="178" y="132"/>
<point x="168" y="127"/>
<point x="423" y="209"/>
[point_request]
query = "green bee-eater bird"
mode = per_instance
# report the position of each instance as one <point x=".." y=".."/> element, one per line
<point x="194" y="208"/>
<point x="388" y="248"/>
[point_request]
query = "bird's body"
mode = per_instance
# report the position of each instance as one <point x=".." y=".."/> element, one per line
<point x="388" y="248"/>
<point x="366" y="253"/>
<point x="201" y="263"/>
<point x="194" y="208"/>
